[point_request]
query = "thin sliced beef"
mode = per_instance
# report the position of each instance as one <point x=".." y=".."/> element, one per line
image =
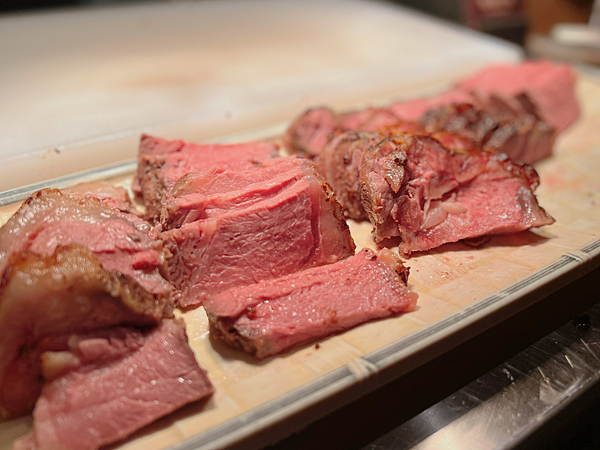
<point x="339" y="164"/>
<point x="299" y="226"/>
<point x="521" y="137"/>
<point x="415" y="188"/>
<point x="104" y="386"/>
<point x="161" y="163"/>
<point x="271" y="316"/>
<point x="197" y="197"/>
<point x="65" y="291"/>
<point x="540" y="88"/>
<point x="309" y="133"/>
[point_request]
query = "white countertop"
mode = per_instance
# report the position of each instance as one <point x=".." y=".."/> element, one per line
<point x="72" y="78"/>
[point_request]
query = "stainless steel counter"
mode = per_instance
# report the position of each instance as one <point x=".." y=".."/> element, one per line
<point x="517" y="398"/>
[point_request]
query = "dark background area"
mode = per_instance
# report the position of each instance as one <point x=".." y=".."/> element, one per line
<point x="508" y="19"/>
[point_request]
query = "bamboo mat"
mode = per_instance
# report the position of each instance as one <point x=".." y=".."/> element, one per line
<point x="447" y="279"/>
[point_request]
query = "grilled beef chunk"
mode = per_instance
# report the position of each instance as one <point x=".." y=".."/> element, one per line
<point x="539" y="88"/>
<point x="103" y="386"/>
<point x="246" y="238"/>
<point x="161" y="163"/>
<point x="513" y="109"/>
<point x="415" y="188"/>
<point x="339" y="163"/>
<point x="268" y="317"/>
<point x="65" y="291"/>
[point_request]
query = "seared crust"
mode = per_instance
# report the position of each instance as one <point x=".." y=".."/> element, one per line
<point x="65" y="292"/>
<point x="339" y="164"/>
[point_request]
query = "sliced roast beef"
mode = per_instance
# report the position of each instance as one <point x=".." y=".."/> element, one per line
<point x="540" y="88"/>
<point x="521" y="137"/>
<point x="51" y="217"/>
<point x="296" y="226"/>
<point x="200" y="196"/>
<point x="269" y="317"/>
<point x="112" y="195"/>
<point x="70" y="261"/>
<point x="104" y="386"/>
<point x="66" y="291"/>
<point x="339" y="164"/>
<point x="415" y="188"/>
<point x="413" y="110"/>
<point x="519" y="111"/>
<point x="308" y="134"/>
<point x="161" y="163"/>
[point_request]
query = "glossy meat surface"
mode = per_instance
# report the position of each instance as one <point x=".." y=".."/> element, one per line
<point x="161" y="163"/>
<point x="123" y="380"/>
<point x="67" y="291"/>
<point x="268" y="317"/>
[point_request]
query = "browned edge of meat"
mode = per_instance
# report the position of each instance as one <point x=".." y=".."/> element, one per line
<point x="339" y="163"/>
<point x="414" y="187"/>
<point x="318" y="314"/>
<point x="68" y="291"/>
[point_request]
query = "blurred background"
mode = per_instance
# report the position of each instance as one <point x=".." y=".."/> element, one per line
<point x="530" y="23"/>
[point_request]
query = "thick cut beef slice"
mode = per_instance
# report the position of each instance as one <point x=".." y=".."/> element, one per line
<point x="415" y="188"/>
<point x="299" y="227"/>
<point x="119" y="381"/>
<point x="51" y="217"/>
<point x="271" y="316"/>
<point x="66" y="291"/>
<point x="161" y="163"/>
<point x="339" y="163"/>
<point x="540" y="88"/>
<point x="218" y="192"/>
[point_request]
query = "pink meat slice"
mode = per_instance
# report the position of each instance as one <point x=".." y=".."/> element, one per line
<point x="124" y="381"/>
<point x="541" y="88"/>
<point x="50" y="217"/>
<point x="269" y="317"/>
<point x="413" y="110"/>
<point x="300" y="227"/>
<point x="415" y="188"/>
<point x="243" y="191"/>
<point x="161" y="163"/>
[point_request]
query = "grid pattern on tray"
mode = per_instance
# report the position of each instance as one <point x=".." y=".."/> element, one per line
<point x="455" y="283"/>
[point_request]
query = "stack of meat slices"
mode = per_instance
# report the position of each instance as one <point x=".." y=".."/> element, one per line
<point x="161" y="163"/>
<point x="517" y="110"/>
<point x="88" y="335"/>
<point x="226" y="228"/>
<point x="264" y="248"/>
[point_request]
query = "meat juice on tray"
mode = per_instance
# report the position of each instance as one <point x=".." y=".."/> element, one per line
<point x="260" y="240"/>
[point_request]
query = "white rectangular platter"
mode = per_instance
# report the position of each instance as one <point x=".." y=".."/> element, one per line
<point x="462" y="291"/>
